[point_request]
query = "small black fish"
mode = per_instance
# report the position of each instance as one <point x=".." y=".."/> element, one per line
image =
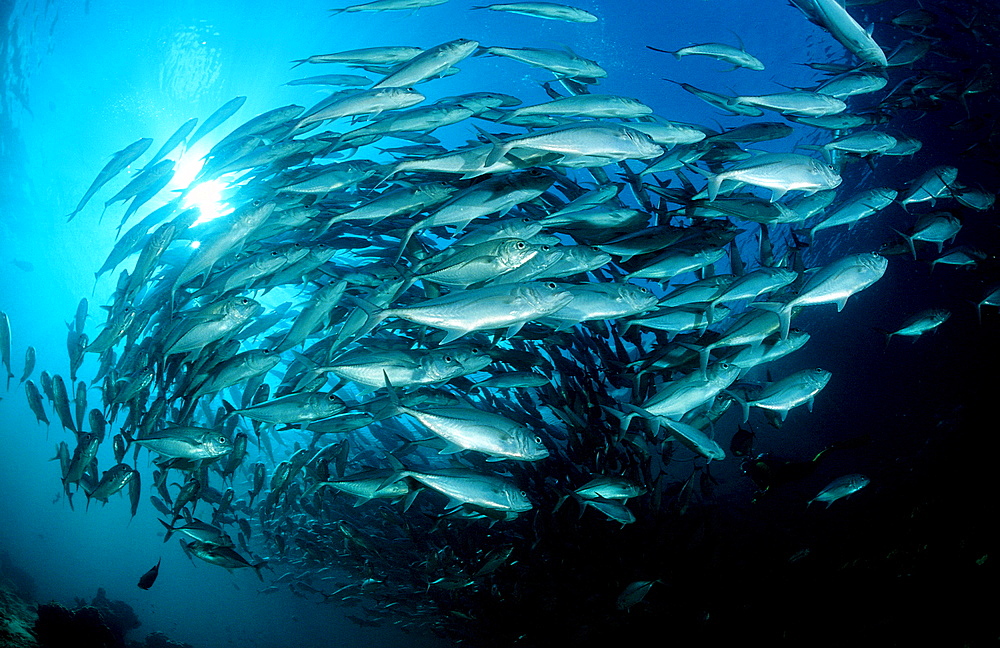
<point x="146" y="580"/>
<point x="742" y="443"/>
<point x="23" y="265"/>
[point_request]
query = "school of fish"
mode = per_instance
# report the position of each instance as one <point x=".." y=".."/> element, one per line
<point x="400" y="364"/>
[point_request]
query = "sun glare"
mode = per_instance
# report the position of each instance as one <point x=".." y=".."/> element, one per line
<point x="206" y="196"/>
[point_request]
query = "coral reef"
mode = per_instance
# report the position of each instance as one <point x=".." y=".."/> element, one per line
<point x="16" y="619"/>
<point x="101" y="623"/>
<point x="58" y="627"/>
<point x="160" y="640"/>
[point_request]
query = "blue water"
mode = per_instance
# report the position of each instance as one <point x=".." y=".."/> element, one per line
<point x="82" y="80"/>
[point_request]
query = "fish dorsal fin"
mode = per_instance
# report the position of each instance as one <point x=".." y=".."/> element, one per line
<point x="739" y="40"/>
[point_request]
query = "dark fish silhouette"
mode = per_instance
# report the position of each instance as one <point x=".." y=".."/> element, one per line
<point x="146" y="580"/>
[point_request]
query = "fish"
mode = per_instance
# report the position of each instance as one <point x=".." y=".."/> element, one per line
<point x="832" y="284"/>
<point x="216" y="119"/>
<point x="795" y="389"/>
<point x="493" y="288"/>
<point x="35" y="402"/>
<point x="466" y="428"/>
<point x="293" y="409"/>
<point x="5" y="341"/>
<point x="389" y="5"/>
<point x="611" y="488"/>
<point x="118" y="163"/>
<point x="175" y="140"/>
<point x="798" y="103"/>
<point x="222" y="556"/>
<point x="779" y="172"/>
<point x="430" y="62"/>
<point x="841" y="487"/>
<point x="833" y="17"/>
<point x="183" y="442"/>
<point x="862" y="205"/>
<point x="465" y="487"/>
<point x="560" y="63"/>
<point x="146" y="580"/>
<point x="918" y="324"/>
<point x="332" y="79"/>
<point x="112" y="481"/>
<point x="544" y="10"/>
<point x="29" y="363"/>
<point x="726" y="53"/>
<point x="634" y="593"/>
<point x="491" y="307"/>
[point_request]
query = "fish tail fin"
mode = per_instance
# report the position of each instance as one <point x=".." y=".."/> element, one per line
<point x="257" y="567"/>
<point x="399" y="471"/>
<point x="405" y="240"/>
<point x="742" y="401"/>
<point x="506" y="116"/>
<point x="714" y="182"/>
<point x="783" y="311"/>
<point x="624" y="418"/>
<point x="393" y="396"/>
<point x="375" y="316"/>
<point x="499" y="148"/>
<point x="979" y="310"/>
<point x="909" y="241"/>
<point x="169" y="527"/>
<point x="674" y="53"/>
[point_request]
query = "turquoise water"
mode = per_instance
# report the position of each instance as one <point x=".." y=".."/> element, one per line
<point x="83" y="80"/>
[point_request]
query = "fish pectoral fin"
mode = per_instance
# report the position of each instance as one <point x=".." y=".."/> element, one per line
<point x="452" y="335"/>
<point x="450" y="448"/>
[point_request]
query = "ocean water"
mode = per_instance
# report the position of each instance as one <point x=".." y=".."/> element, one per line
<point x="897" y="562"/>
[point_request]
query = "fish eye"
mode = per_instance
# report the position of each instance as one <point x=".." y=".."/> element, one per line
<point x="223" y="439"/>
<point x="538" y="439"/>
<point x="550" y="285"/>
<point x="818" y="370"/>
<point x="724" y="365"/>
<point x="526" y="220"/>
<point x="523" y="494"/>
<point x="520" y="245"/>
<point x="244" y="301"/>
<point x="274" y="253"/>
<point x="449" y="359"/>
<point x="256" y="202"/>
<point x="546" y="248"/>
<point x="331" y="397"/>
